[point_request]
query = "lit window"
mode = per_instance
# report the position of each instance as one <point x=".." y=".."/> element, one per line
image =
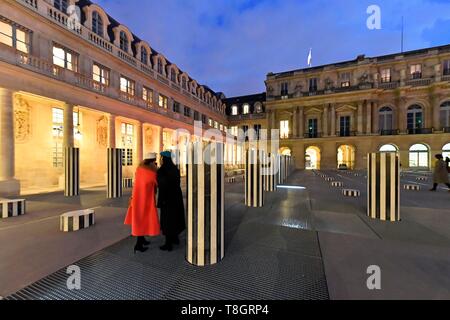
<point x="14" y="37"/>
<point x="386" y="75"/>
<point x="65" y="58"/>
<point x="58" y="121"/>
<point x="419" y="155"/>
<point x="100" y="74"/>
<point x="284" y="129"/>
<point x="416" y="71"/>
<point x="124" y="42"/>
<point x="147" y="95"/>
<point x="246" y="109"/>
<point x="97" y="24"/>
<point x="234" y="111"/>
<point x="345" y="79"/>
<point x="127" y="133"/>
<point x="216" y="125"/>
<point x="163" y="101"/>
<point x="234" y="131"/>
<point x="210" y="122"/>
<point x="415" y="118"/>
<point x="127" y="86"/>
<point x="388" y="148"/>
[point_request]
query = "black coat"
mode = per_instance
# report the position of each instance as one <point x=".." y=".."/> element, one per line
<point x="170" y="201"/>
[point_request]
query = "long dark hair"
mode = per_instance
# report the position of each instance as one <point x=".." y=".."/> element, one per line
<point x="167" y="163"/>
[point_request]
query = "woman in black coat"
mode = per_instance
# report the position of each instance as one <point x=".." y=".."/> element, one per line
<point x="170" y="201"/>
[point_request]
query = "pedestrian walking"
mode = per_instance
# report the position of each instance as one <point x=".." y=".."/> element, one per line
<point x="440" y="174"/>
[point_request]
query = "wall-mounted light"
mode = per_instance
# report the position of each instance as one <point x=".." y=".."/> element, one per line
<point x="78" y="134"/>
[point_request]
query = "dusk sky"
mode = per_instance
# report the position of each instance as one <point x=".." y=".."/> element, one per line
<point x="230" y="45"/>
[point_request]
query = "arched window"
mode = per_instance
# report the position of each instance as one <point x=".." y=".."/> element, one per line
<point x="419" y="155"/>
<point x="184" y="83"/>
<point x="234" y="111"/>
<point x="144" y="55"/>
<point x="446" y="151"/>
<point x="445" y="114"/>
<point x="97" y="24"/>
<point x="386" y="120"/>
<point x="415" y="118"/>
<point x="160" y="66"/>
<point x="61" y="5"/>
<point x="123" y="41"/>
<point x="388" y="148"/>
<point x="246" y="108"/>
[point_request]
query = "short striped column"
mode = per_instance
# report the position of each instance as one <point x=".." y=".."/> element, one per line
<point x="12" y="208"/>
<point x="351" y="193"/>
<point x="114" y="187"/>
<point x="412" y="187"/>
<point x="383" y="186"/>
<point x="76" y="220"/>
<point x="269" y="172"/>
<point x="72" y="172"/>
<point x="337" y="184"/>
<point x="254" y="183"/>
<point x="205" y="204"/>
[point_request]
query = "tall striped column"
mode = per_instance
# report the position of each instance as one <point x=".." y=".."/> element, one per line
<point x="269" y="172"/>
<point x="114" y="187"/>
<point x="280" y="175"/>
<point x="205" y="204"/>
<point x="254" y="183"/>
<point x="383" y="186"/>
<point x="72" y="172"/>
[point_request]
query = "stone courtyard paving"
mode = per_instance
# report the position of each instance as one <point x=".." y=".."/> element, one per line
<point x="304" y="244"/>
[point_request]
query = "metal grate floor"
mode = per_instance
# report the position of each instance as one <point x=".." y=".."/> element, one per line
<point x="263" y="261"/>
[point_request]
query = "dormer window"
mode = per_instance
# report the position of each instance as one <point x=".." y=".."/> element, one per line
<point x="184" y="83"/>
<point x="97" y="24"/>
<point x="160" y="66"/>
<point x="123" y="41"/>
<point x="173" y="76"/>
<point x="246" y="109"/>
<point x="61" y="5"/>
<point x="234" y="111"/>
<point x="345" y="79"/>
<point x="144" y="55"/>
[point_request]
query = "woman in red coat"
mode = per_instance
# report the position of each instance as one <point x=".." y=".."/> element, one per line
<point x="142" y="214"/>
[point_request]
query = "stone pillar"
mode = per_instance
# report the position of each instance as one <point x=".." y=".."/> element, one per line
<point x="383" y="186"/>
<point x="402" y="117"/>
<point x="161" y="139"/>
<point x="325" y="121"/>
<point x="370" y="105"/>
<point x="114" y="188"/>
<point x="139" y="142"/>
<point x="254" y="191"/>
<point x="402" y="77"/>
<point x="301" y="122"/>
<point x="360" y="118"/>
<point x="9" y="186"/>
<point x="71" y="156"/>
<point x="333" y="121"/>
<point x="205" y="204"/>
<point x="438" y="72"/>
<point x="295" y="123"/>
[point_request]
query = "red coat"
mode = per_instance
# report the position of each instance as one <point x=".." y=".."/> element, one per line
<point x="142" y="214"/>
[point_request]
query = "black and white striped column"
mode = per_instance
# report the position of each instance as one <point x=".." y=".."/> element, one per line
<point x="205" y="204"/>
<point x="280" y="165"/>
<point x="269" y="173"/>
<point x="72" y="172"/>
<point x="383" y="186"/>
<point x="254" y="183"/>
<point x="114" y="187"/>
<point x="12" y="208"/>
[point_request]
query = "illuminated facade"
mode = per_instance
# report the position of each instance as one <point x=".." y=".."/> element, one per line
<point x="90" y="84"/>
<point x="332" y="116"/>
